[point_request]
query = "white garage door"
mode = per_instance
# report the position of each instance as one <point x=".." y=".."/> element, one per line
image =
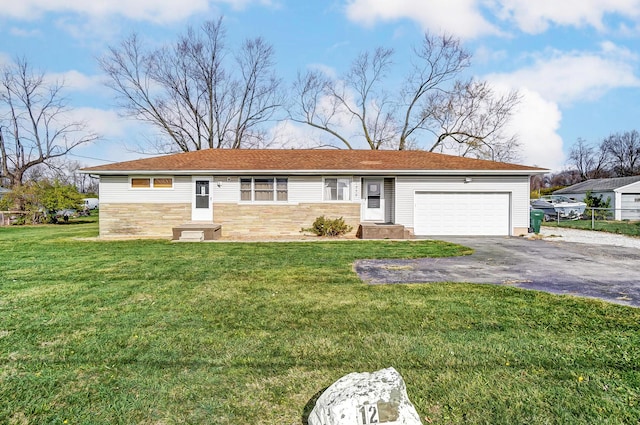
<point x="461" y="213"/>
<point x="631" y="206"/>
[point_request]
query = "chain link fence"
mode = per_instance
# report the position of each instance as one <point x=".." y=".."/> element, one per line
<point x="600" y="219"/>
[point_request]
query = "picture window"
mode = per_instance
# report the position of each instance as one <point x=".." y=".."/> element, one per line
<point x="264" y="189"/>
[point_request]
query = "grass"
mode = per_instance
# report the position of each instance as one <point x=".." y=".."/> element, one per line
<point x="630" y="228"/>
<point x="150" y="332"/>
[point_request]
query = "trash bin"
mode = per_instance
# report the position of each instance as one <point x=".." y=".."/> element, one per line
<point x="536" y="217"/>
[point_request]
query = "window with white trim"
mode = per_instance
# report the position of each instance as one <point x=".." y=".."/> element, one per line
<point x="264" y="189"/>
<point x="337" y="189"/>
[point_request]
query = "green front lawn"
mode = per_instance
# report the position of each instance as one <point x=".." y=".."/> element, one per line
<point x="152" y="332"/>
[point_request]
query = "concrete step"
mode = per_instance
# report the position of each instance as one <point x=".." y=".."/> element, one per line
<point x="382" y="231"/>
<point x="211" y="231"/>
<point x="191" y="236"/>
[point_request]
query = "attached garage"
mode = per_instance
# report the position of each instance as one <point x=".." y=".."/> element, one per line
<point x="462" y="213"/>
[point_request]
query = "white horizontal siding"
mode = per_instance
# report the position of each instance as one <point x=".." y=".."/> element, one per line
<point x="301" y="189"/>
<point x="117" y="190"/>
<point x="517" y="186"/>
<point x="225" y="190"/>
<point x="305" y="189"/>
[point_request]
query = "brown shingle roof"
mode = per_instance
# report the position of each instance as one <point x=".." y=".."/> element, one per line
<point x="305" y="160"/>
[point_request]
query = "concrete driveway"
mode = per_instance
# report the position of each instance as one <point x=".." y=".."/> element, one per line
<point x="611" y="273"/>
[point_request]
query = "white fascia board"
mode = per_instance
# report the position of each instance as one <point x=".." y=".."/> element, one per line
<point x="322" y="172"/>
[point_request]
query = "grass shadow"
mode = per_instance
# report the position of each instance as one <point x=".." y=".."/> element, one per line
<point x="308" y="408"/>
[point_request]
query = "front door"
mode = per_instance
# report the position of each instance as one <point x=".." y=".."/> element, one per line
<point x="201" y="206"/>
<point x="373" y="200"/>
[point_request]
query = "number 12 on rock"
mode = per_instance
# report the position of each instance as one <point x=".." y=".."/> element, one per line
<point x="368" y="414"/>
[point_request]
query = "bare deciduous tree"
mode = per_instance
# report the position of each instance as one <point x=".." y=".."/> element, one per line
<point x="590" y="161"/>
<point x="623" y="152"/>
<point x="35" y="127"/>
<point x="433" y="100"/>
<point x="470" y="119"/>
<point x="193" y="92"/>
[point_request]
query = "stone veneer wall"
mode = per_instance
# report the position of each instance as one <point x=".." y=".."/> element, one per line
<point x="256" y="220"/>
<point x="141" y="220"/>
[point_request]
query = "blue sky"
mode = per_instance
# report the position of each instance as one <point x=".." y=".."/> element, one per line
<point x="575" y="62"/>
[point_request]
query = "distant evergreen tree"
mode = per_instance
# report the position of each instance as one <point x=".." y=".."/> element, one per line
<point x="594" y="201"/>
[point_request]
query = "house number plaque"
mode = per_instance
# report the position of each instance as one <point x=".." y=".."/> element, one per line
<point x="378" y="413"/>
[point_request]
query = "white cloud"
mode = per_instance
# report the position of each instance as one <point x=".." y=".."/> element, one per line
<point x="21" y="32"/>
<point x="536" y="16"/>
<point x="485" y="55"/>
<point x="468" y="18"/>
<point x="559" y="80"/>
<point x="107" y="123"/>
<point x="324" y="69"/>
<point x="461" y="17"/>
<point x="78" y="82"/>
<point x="536" y="122"/>
<point x="576" y="76"/>
<point x="118" y="137"/>
<point x="159" y="11"/>
<point x="291" y="135"/>
<point x="5" y="59"/>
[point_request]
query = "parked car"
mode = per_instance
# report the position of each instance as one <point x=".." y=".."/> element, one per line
<point x="91" y="203"/>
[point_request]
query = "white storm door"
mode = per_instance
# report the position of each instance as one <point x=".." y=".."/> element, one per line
<point x="373" y="201"/>
<point x="201" y="205"/>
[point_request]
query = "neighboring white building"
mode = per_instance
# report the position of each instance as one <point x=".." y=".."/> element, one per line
<point x="623" y="194"/>
<point x="278" y="192"/>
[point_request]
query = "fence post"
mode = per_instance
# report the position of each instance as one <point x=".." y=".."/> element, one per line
<point x="593" y="220"/>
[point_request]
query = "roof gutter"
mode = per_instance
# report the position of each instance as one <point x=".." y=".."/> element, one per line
<point x="314" y="172"/>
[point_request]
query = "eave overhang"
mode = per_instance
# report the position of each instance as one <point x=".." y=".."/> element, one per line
<point x="284" y="172"/>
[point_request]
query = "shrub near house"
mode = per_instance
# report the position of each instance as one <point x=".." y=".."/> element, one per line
<point x="323" y="226"/>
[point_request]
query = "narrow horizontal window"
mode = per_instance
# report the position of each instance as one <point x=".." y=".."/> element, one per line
<point x="163" y="183"/>
<point x="151" y="182"/>
<point x="138" y="183"/>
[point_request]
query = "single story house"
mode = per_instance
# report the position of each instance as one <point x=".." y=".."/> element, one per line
<point x="276" y="192"/>
<point x="622" y="192"/>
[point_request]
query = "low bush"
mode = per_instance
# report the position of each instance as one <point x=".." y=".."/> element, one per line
<point x="323" y="226"/>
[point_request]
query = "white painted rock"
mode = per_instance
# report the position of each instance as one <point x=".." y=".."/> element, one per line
<point x="366" y="398"/>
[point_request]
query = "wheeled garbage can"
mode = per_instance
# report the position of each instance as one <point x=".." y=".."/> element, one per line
<point x="536" y="217"/>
